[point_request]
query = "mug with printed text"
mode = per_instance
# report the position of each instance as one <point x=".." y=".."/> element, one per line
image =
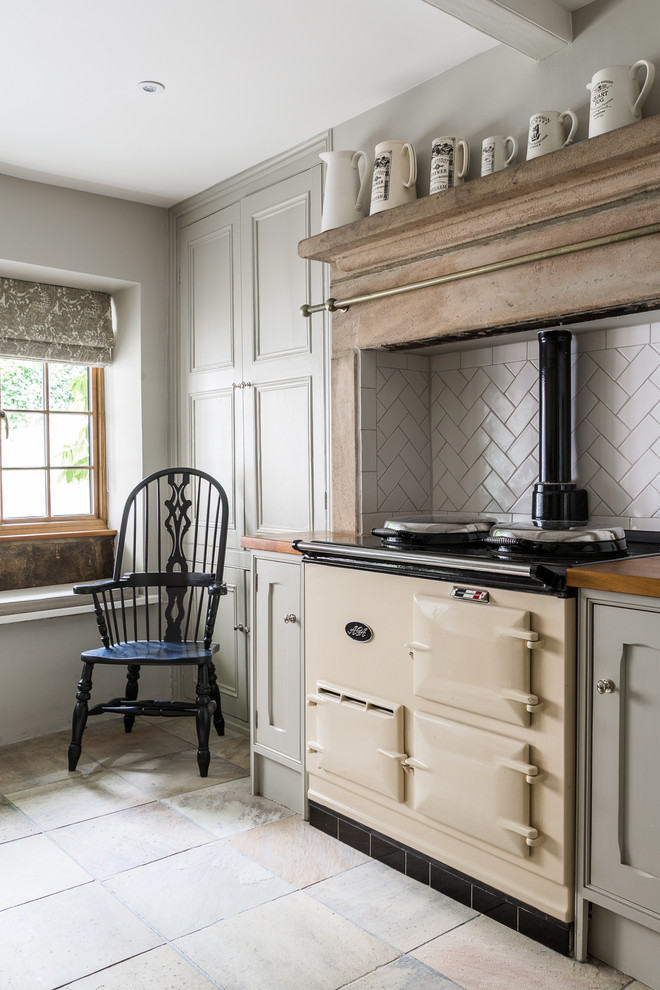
<point x="394" y="175"/>
<point x="450" y="161"/>
<point x="497" y="152"/>
<point x="617" y="95"/>
<point x="547" y="132"/>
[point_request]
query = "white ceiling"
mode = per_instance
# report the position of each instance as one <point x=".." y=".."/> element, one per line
<point x="245" y="80"/>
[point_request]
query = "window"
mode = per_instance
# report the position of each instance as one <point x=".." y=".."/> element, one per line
<point x="52" y="470"/>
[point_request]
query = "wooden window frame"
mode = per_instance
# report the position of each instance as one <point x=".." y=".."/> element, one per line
<point x="81" y="525"/>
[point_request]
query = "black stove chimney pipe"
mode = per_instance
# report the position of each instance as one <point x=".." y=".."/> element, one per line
<point x="556" y="503"/>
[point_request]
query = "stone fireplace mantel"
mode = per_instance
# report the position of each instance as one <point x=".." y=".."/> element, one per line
<point x="599" y="189"/>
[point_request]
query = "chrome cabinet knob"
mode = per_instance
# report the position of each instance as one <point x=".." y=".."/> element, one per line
<point x="241" y="628"/>
<point x="605" y="686"/>
<point x="290" y="617"/>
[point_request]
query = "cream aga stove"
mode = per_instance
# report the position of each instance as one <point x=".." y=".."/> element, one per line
<point x="440" y="713"/>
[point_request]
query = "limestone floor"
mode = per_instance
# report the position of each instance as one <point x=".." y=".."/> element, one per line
<point x="135" y="872"/>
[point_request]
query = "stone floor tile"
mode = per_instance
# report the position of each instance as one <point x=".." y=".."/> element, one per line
<point x="483" y="955"/>
<point x="159" y="969"/>
<point x="13" y="823"/>
<point x="34" y="867"/>
<point x="177" y="773"/>
<point x="388" y="904"/>
<point x="77" y="798"/>
<point x="296" y="851"/>
<point x="196" y="888"/>
<point x="293" y="942"/>
<point x="126" y="839"/>
<point x="228" y="808"/>
<point x="61" y="938"/>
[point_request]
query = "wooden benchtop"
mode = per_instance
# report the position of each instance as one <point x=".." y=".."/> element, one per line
<point x="281" y="542"/>
<point x="635" y="576"/>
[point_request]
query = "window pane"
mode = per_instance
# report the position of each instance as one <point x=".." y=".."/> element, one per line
<point x="23" y="494"/>
<point x="21" y="384"/>
<point x="71" y="497"/>
<point x="69" y="441"/>
<point x="25" y="446"/>
<point x="68" y="387"/>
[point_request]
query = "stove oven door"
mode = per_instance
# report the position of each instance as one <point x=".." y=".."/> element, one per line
<point x="474" y="656"/>
<point x="359" y="738"/>
<point x="473" y="781"/>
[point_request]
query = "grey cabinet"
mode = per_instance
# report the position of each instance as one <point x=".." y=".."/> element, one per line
<point x="277" y="678"/>
<point x="252" y="378"/>
<point x="619" y="782"/>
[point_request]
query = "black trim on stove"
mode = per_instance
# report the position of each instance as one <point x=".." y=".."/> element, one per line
<point x="507" y="910"/>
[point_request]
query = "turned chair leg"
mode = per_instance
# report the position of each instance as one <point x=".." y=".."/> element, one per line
<point x="203" y="720"/>
<point x="80" y="714"/>
<point x="132" y="678"/>
<point x="218" y="719"/>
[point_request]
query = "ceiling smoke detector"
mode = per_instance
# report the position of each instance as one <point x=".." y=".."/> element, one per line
<point x="151" y="86"/>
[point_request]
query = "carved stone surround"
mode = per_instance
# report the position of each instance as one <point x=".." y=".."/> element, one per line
<point x="601" y="187"/>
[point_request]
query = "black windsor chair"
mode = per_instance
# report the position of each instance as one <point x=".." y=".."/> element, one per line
<point x="174" y="526"/>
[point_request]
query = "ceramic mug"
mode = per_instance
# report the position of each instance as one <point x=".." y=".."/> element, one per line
<point x="494" y="153"/>
<point x="450" y="161"/>
<point x="546" y="132"/>
<point x="394" y="176"/>
<point x="343" y="196"/>
<point x="617" y="97"/>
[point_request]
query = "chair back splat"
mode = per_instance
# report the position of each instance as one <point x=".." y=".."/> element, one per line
<point x="160" y="606"/>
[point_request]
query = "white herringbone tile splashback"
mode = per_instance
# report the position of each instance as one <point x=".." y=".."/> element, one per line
<point x="458" y="431"/>
<point x="485" y="437"/>
<point x="403" y="434"/>
<point x="484" y="419"/>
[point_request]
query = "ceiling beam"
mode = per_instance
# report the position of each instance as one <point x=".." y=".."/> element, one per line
<point x="537" y="28"/>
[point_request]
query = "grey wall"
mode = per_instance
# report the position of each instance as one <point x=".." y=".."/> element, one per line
<point x="79" y="238"/>
<point x="497" y="92"/>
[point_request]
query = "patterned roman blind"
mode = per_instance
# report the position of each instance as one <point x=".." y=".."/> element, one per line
<point x="55" y="323"/>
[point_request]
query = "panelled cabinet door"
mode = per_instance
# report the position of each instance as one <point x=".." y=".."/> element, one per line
<point x="210" y="357"/>
<point x="277" y="647"/>
<point x="283" y="360"/>
<point x="625" y="793"/>
<point x="231" y="633"/>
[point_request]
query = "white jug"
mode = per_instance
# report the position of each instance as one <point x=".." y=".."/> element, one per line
<point x="395" y="175"/>
<point x="344" y="191"/>
<point x="616" y="96"/>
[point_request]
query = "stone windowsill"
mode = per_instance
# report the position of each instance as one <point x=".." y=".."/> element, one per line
<point x="26" y="604"/>
<point x="41" y="603"/>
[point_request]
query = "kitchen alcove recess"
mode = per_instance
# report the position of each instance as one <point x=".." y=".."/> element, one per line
<point x="588" y="215"/>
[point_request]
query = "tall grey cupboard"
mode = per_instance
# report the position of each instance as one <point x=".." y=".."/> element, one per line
<point x="252" y="406"/>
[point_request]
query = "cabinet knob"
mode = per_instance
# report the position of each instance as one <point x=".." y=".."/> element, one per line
<point x="241" y="628"/>
<point x="605" y="686"/>
<point x="290" y="617"/>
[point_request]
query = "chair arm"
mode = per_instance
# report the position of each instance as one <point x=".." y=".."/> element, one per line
<point x="93" y="587"/>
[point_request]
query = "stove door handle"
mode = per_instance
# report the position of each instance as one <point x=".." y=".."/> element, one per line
<point x="530" y="701"/>
<point x="531" y="637"/>
<point x="530" y="834"/>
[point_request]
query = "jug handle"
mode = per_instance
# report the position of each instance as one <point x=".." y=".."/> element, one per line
<point x="355" y="162"/>
<point x="514" y="149"/>
<point x="413" y="165"/>
<point x="574" y="122"/>
<point x="648" y="82"/>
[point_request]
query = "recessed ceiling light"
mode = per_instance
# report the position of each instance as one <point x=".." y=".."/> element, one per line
<point x="151" y="86"/>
